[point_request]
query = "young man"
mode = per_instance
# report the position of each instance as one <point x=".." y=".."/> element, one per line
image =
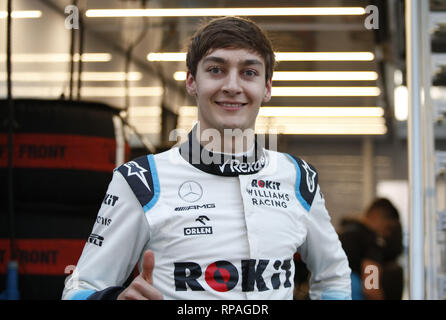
<point x="216" y="221"/>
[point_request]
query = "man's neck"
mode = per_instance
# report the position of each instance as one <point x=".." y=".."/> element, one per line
<point x="208" y="158"/>
<point x="233" y="141"/>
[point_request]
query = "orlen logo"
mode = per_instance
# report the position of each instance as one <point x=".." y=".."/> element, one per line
<point x="265" y="184"/>
<point x="223" y="276"/>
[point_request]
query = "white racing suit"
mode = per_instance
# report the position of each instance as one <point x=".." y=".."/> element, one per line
<point x="218" y="231"/>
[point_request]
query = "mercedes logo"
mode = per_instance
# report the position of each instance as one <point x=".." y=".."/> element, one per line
<point x="190" y="191"/>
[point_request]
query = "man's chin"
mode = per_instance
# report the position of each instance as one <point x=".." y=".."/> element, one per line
<point x="234" y="126"/>
<point x="229" y="123"/>
<point x="233" y="122"/>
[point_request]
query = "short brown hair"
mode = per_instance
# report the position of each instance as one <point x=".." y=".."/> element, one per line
<point x="230" y="32"/>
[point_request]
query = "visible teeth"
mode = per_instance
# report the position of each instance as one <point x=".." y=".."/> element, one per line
<point x="231" y="105"/>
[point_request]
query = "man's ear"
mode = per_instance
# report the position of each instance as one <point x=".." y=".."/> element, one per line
<point x="268" y="87"/>
<point x="191" y="86"/>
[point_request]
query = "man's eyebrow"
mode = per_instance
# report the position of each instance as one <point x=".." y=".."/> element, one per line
<point x="247" y="62"/>
<point x="214" y="59"/>
<point x="250" y="62"/>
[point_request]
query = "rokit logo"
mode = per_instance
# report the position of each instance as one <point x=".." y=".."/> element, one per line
<point x="96" y="239"/>
<point x="223" y="276"/>
<point x="266" y="193"/>
<point x="196" y="207"/>
<point x="265" y="184"/>
<point x="194" y="231"/>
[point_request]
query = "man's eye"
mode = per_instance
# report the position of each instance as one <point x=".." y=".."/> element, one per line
<point x="250" y="73"/>
<point x="214" y="70"/>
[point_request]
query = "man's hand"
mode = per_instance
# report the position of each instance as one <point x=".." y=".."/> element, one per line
<point x="141" y="287"/>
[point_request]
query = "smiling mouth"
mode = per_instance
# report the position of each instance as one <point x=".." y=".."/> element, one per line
<point x="231" y="106"/>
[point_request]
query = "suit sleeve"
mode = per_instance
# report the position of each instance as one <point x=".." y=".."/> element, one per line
<point x="324" y="256"/>
<point x="114" y="247"/>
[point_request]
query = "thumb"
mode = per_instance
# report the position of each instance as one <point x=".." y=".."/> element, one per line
<point x="148" y="264"/>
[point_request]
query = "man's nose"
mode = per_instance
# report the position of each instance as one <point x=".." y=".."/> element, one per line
<point x="231" y="84"/>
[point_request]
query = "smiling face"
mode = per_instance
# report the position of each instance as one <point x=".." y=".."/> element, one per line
<point x="230" y="87"/>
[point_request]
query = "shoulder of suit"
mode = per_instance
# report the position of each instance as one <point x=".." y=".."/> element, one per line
<point x="142" y="177"/>
<point x="306" y="181"/>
